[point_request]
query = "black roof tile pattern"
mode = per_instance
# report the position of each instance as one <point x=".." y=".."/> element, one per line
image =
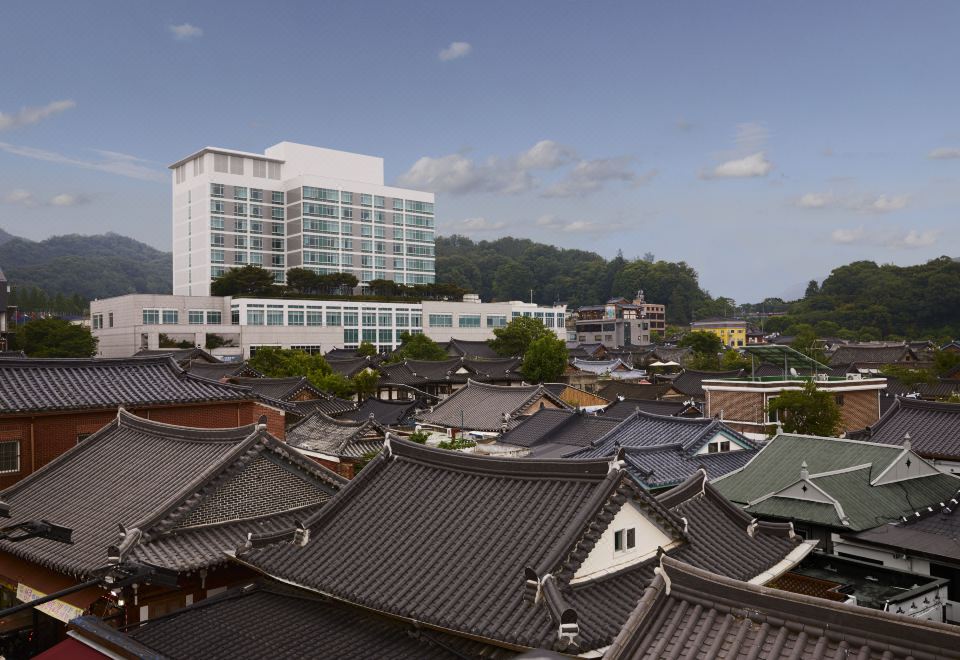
<point x="327" y="404"/>
<point x="665" y="466"/>
<point x="616" y="389"/>
<point x="183" y="356"/>
<point x="342" y="438"/>
<point x="221" y="370"/>
<point x="494" y="370"/>
<point x="866" y="354"/>
<point x="690" y="382"/>
<point x="687" y="612"/>
<point x="12" y="355"/>
<point x="934" y="427"/>
<point x="470" y="349"/>
<point x="35" y="385"/>
<point x="458" y="562"/>
<point x="270" y="620"/>
<point x="386" y="413"/>
<point x="623" y="408"/>
<point x="341" y="354"/>
<point x="484" y="407"/>
<point x="350" y="367"/>
<point x="279" y="389"/>
<point x="156" y="480"/>
<point x="555" y="426"/>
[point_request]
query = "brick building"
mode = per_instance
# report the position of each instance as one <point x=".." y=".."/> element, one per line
<point x="48" y="406"/>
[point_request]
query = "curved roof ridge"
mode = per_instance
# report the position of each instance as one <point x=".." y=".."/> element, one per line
<point x="224" y="434"/>
<point x="319" y="414"/>
<point x="90" y="361"/>
<point x="493" y="386"/>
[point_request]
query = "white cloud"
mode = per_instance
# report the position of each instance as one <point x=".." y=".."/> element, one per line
<point x="894" y="239"/>
<point x="67" y="199"/>
<point x="29" y="116"/>
<point x="816" y="201"/>
<point x="185" y="31"/>
<point x="753" y="165"/>
<point x="111" y="161"/>
<point x="553" y="223"/>
<point x="22" y="197"/>
<point x="590" y="175"/>
<point x="460" y="175"/>
<point x="883" y="203"/>
<point x="861" y="204"/>
<point x="546" y="155"/>
<point x="944" y="153"/>
<point x="455" y="51"/>
<point x="477" y="225"/>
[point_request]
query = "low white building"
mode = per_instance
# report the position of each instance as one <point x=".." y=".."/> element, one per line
<point x="233" y="326"/>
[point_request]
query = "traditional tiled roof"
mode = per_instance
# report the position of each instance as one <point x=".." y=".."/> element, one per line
<point x="690" y="382"/>
<point x="471" y="565"/>
<point x="340" y="354"/>
<point x="12" y="355"/>
<point x="623" y="408"/>
<point x="322" y="434"/>
<point x="941" y="388"/>
<point x="586" y="351"/>
<point x="661" y="451"/>
<point x="600" y="366"/>
<point x="221" y="370"/>
<point x="575" y="396"/>
<point x="633" y="390"/>
<point x="279" y="389"/>
<point x="862" y="353"/>
<point x="387" y="413"/>
<point x="35" y="385"/>
<point x="183" y="356"/>
<point x="350" y="367"/>
<point x="686" y="612"/>
<point x="327" y="404"/>
<point x="931" y="532"/>
<point x="496" y="370"/>
<point x="471" y="349"/>
<point x="934" y="427"/>
<point x="844" y="484"/>
<point x="270" y="620"/>
<point x="174" y="486"/>
<point x="671" y="354"/>
<point x="552" y="426"/>
<point x="484" y="407"/>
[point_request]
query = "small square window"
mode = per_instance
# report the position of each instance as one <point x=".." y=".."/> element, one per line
<point x="618" y="540"/>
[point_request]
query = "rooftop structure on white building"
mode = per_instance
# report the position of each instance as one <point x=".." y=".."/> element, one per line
<point x="235" y="327"/>
<point x="296" y="206"/>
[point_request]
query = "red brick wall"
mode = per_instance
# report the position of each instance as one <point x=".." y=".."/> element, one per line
<point x="859" y="409"/>
<point x="740" y="406"/>
<point x="53" y="434"/>
<point x="343" y="469"/>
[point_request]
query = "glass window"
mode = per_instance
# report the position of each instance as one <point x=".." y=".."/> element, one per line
<point x="385" y="336"/>
<point x="346" y="213"/>
<point x="170" y="316"/>
<point x="276" y="213"/>
<point x="239" y="192"/>
<point x="214" y="318"/>
<point x="369" y="335"/>
<point x="256" y="195"/>
<point x="384" y="318"/>
<point x="254" y="317"/>
<point x="275" y="316"/>
<point x="350" y="318"/>
<point x="379" y="201"/>
<point x="314" y="317"/>
<point x="496" y="321"/>
<point x="366" y="200"/>
<point x="441" y="320"/>
<point x="397" y="205"/>
<point x="195" y="317"/>
<point x="216" y="222"/>
<point x="10" y="456"/>
<point x="346" y="198"/>
<point x="469" y="320"/>
<point x="403" y="320"/>
<point x="216" y="206"/>
<point x="216" y="190"/>
<point x="369" y="317"/>
<point x="276" y="197"/>
<point x="350" y="335"/>
<point x="333" y="318"/>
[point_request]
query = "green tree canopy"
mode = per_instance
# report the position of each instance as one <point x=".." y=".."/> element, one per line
<point x="283" y="363"/>
<point x="515" y="338"/>
<point x="55" y="338"/>
<point x="366" y="349"/>
<point x="302" y="280"/>
<point x="545" y="360"/>
<point x="418" y="347"/>
<point x="249" y="280"/>
<point x="808" y="411"/>
<point x="732" y="360"/>
<point x="365" y="383"/>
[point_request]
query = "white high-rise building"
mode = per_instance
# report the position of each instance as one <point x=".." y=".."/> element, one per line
<point x="296" y="206"/>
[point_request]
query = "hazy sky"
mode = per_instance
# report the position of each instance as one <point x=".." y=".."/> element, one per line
<point x="762" y="142"/>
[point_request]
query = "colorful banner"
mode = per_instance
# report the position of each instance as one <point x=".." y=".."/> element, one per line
<point x="55" y="608"/>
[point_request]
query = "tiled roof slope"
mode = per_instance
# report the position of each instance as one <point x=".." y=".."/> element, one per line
<point x="687" y="612"/>
<point x="220" y="370"/>
<point x="556" y="426"/>
<point x="934" y="427"/>
<point x="387" y="413"/>
<point x="327" y="404"/>
<point x="634" y="390"/>
<point x="871" y="354"/>
<point x="690" y="383"/>
<point x="471" y="349"/>
<point x="336" y="437"/>
<point x="838" y="475"/>
<point x="458" y="563"/>
<point x="35" y="385"/>
<point x="162" y="482"/>
<point x="931" y="532"/>
<point x="665" y="466"/>
<point x="183" y="356"/>
<point x="349" y="367"/>
<point x="268" y="620"/>
<point x="483" y="407"/>
<point x="623" y="408"/>
<point x="278" y="389"/>
<point x="494" y="369"/>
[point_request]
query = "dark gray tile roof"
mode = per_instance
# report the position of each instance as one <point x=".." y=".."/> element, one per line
<point x="340" y="354"/>
<point x="270" y="620"/>
<point x="687" y="612"/>
<point x="349" y="367"/>
<point x="934" y="427"/>
<point x="183" y="356"/>
<point x="690" y="383"/>
<point x="387" y="413"/>
<point x="160" y="482"/>
<point x="623" y="408"/>
<point x="279" y="389"/>
<point x="495" y="370"/>
<point x="35" y="385"/>
<point x="557" y="426"/>
<point x="470" y="349"/>
<point x="633" y="390"/>
<point x="458" y="562"/>
<point x="336" y="437"/>
<point x="220" y="370"/>
<point x="482" y="407"/>
<point x="665" y="466"/>
<point x="327" y="404"/>
<point x="850" y="354"/>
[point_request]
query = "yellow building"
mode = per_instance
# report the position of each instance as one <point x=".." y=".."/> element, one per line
<point x="732" y="332"/>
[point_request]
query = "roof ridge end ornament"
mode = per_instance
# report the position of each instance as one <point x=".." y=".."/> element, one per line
<point x="387" y="450"/>
<point x="907" y="443"/>
<point x="661" y="571"/>
<point x="804" y="472"/>
<point x="617" y="463"/>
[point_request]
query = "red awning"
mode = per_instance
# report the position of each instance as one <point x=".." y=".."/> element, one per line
<point x="70" y="649"/>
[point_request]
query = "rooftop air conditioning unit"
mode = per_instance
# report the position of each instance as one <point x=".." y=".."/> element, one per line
<point x="854" y="376"/>
<point x="821" y="377"/>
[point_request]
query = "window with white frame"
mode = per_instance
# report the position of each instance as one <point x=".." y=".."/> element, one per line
<point x="195" y="317"/>
<point x="718" y="445"/>
<point x="151" y="317"/>
<point x="441" y="320"/>
<point x="624" y="540"/>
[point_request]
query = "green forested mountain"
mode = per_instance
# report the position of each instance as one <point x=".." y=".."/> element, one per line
<point x="871" y="301"/>
<point x="508" y="268"/>
<point x="88" y="266"/>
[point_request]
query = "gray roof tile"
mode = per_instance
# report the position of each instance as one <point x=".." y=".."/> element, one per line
<point x="336" y="437"/>
<point x="482" y="407"/>
<point x="934" y="427"/>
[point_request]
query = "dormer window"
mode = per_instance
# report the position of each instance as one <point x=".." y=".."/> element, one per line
<point x="625" y="540"/>
<point x="717" y="446"/>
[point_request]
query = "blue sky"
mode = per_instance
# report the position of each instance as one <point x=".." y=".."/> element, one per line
<point x="763" y="143"/>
